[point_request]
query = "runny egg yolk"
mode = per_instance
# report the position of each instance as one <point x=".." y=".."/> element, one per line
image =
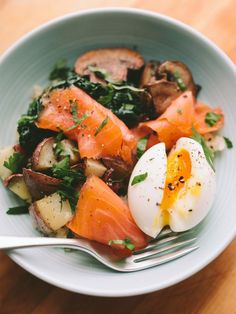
<point x="178" y="172"/>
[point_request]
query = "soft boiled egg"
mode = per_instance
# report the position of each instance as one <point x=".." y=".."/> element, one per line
<point x="175" y="191"/>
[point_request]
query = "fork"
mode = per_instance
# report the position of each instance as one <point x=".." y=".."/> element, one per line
<point x="167" y="247"/>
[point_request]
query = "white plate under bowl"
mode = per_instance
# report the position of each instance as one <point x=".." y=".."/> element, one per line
<point x="30" y="60"/>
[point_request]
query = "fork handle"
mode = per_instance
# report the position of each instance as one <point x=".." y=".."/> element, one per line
<point x="12" y="242"/>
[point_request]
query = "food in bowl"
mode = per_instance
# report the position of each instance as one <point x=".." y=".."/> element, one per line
<point x="92" y="154"/>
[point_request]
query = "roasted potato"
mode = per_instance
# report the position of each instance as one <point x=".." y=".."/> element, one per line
<point x="62" y="232"/>
<point x="215" y="142"/>
<point x="5" y="153"/>
<point x="51" y="213"/>
<point x="44" y="157"/>
<point x="94" y="167"/>
<point x="40" y="184"/>
<point x="17" y="185"/>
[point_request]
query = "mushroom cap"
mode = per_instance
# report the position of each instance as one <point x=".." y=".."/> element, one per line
<point x="163" y="93"/>
<point x="162" y="81"/>
<point x="116" y="61"/>
<point x="149" y="73"/>
<point x="170" y="68"/>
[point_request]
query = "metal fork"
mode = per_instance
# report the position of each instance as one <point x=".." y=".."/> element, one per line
<point x="167" y="247"/>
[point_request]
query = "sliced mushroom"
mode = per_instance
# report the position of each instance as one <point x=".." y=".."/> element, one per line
<point x="176" y="71"/>
<point x="40" y="184"/>
<point x="149" y="73"/>
<point x="115" y="61"/>
<point x="17" y="185"/>
<point x="163" y="93"/>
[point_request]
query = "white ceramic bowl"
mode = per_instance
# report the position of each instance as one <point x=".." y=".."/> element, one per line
<point x="30" y="60"/>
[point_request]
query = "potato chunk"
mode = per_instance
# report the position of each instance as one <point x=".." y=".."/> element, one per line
<point x="51" y="213"/>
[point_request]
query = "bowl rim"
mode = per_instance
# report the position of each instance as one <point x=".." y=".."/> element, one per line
<point x="147" y="14"/>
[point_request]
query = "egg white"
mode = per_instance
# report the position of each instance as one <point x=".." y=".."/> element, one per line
<point x="193" y="201"/>
<point x="144" y="197"/>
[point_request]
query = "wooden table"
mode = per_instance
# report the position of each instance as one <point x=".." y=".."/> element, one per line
<point x="213" y="290"/>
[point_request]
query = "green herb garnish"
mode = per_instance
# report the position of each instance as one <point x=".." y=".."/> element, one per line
<point x="128" y="87"/>
<point x="101" y="126"/>
<point x="228" y="142"/>
<point x="29" y="134"/>
<point x="67" y="192"/>
<point x="139" y="178"/>
<point x="16" y="162"/>
<point x="60" y="136"/>
<point x="101" y="73"/>
<point x="207" y="151"/>
<point x="126" y="242"/>
<point x="58" y="147"/>
<point x="70" y="178"/>
<point x="114" y="97"/>
<point x="60" y="71"/>
<point x="179" y="81"/>
<point x="62" y="170"/>
<point x="76" y="119"/>
<point x="79" y="121"/>
<point x="211" y="118"/>
<point x="18" y="210"/>
<point x="141" y="146"/>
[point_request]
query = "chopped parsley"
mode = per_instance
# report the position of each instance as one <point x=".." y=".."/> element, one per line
<point x="228" y="142"/>
<point x="179" y="81"/>
<point x="101" y="126"/>
<point x="128" y="87"/>
<point x="211" y="118"/>
<point x="179" y="111"/>
<point x="70" y="177"/>
<point x="207" y="151"/>
<point x="139" y="178"/>
<point x="16" y="162"/>
<point x="126" y="242"/>
<point x="60" y="71"/>
<point x="29" y="134"/>
<point x="114" y="97"/>
<point x="101" y="73"/>
<point x="67" y="192"/>
<point x="62" y="170"/>
<point x="58" y="147"/>
<point x="141" y="146"/>
<point x="76" y="119"/>
<point x="18" y="210"/>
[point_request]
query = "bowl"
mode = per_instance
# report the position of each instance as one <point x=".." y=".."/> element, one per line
<point x="29" y="62"/>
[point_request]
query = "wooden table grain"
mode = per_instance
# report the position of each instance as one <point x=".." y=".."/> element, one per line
<point x="212" y="290"/>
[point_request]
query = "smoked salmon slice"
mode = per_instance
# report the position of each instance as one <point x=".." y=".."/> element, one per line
<point x="175" y="122"/>
<point x="179" y="119"/>
<point x="102" y="216"/>
<point x="99" y="132"/>
<point x="200" y="124"/>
